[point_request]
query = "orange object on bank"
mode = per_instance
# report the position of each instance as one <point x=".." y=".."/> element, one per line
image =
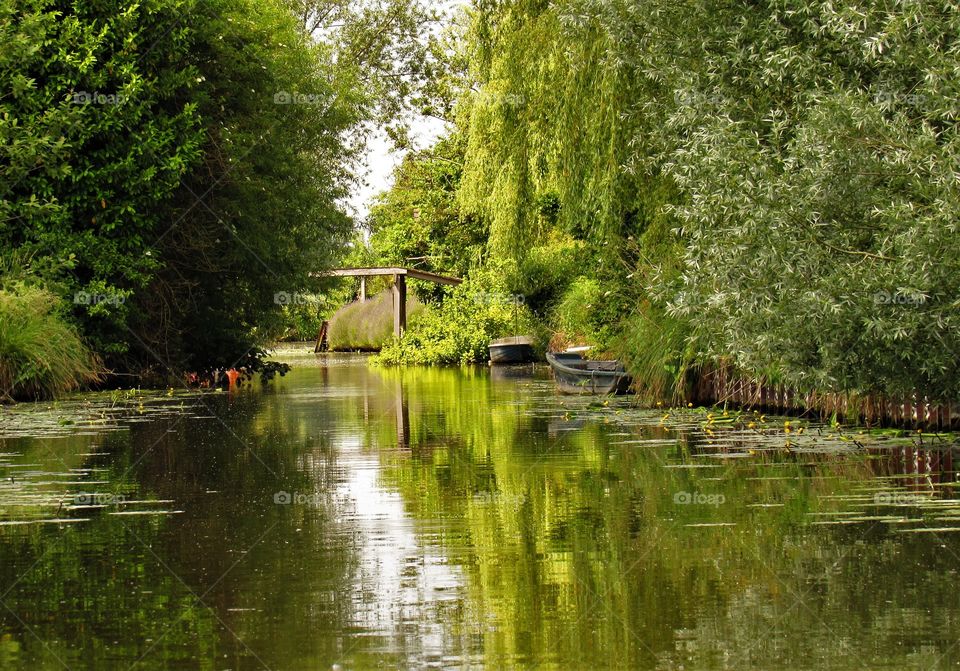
<point x="232" y="376"/>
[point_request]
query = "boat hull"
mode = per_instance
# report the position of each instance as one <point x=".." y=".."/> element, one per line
<point x="503" y="354"/>
<point x="511" y="350"/>
<point x="576" y="375"/>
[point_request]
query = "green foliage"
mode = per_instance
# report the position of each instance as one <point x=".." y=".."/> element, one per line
<point x="816" y="150"/>
<point x="541" y="127"/>
<point x="384" y="55"/>
<point x="269" y="190"/>
<point x="547" y="269"/>
<point x="96" y="130"/>
<point x="459" y="330"/>
<point x="576" y="315"/>
<point x="367" y="325"/>
<point x="547" y="127"/>
<point x="417" y="224"/>
<point x="41" y="355"/>
<point x="301" y="321"/>
<point x="772" y="186"/>
<point x="655" y="348"/>
<point x="174" y="176"/>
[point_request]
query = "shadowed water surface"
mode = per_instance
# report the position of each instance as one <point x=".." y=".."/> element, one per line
<point x="350" y="517"/>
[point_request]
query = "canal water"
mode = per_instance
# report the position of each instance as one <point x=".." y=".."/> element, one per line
<point x="351" y="517"/>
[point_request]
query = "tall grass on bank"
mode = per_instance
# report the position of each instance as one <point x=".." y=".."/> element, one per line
<point x="654" y="348"/>
<point x="41" y="355"/>
<point x="367" y="326"/>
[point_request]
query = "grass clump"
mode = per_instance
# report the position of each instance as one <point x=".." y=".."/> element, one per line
<point x="41" y="354"/>
<point x="656" y="348"/>
<point x="367" y="326"/>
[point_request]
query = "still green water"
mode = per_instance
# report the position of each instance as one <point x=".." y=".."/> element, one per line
<point x="349" y="517"/>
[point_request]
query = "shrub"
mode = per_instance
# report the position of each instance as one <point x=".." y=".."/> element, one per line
<point x="546" y="270"/>
<point x="460" y="329"/>
<point x="576" y="315"/>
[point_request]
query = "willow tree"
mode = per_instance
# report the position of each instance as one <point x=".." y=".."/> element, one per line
<point x="548" y="130"/>
<point x="815" y="145"/>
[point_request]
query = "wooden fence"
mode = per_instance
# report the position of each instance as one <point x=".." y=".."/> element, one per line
<point x="723" y="386"/>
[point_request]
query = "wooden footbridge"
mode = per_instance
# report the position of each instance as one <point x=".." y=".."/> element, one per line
<point x="399" y="288"/>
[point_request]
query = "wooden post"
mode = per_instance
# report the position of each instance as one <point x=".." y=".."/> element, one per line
<point x="363" y="289"/>
<point x="321" y="345"/>
<point x="399" y="305"/>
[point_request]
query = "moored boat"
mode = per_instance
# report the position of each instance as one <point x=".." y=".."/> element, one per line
<point x="515" y="349"/>
<point x="576" y="375"/>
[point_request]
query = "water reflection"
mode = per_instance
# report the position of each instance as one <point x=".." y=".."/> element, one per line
<point x="373" y="518"/>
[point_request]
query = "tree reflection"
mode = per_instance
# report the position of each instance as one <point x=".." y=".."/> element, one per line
<point x="578" y="555"/>
<point x="438" y="516"/>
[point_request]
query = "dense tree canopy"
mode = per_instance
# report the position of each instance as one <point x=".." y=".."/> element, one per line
<point x="176" y="169"/>
<point x="247" y="227"/>
<point x="98" y="130"/>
